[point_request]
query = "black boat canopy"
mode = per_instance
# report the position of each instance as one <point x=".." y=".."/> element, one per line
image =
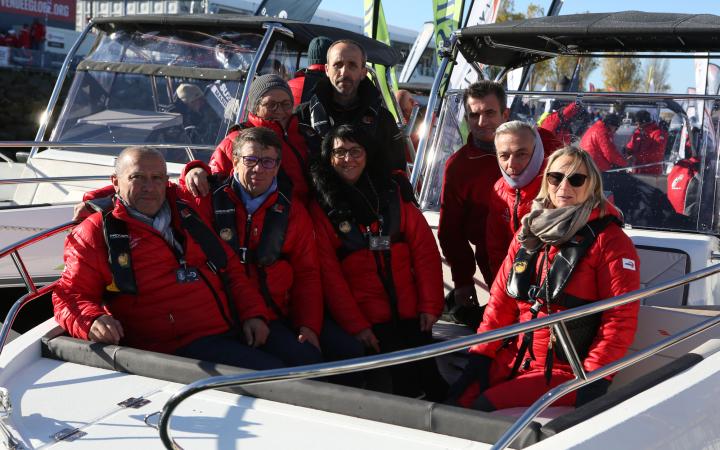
<point x="518" y="43"/>
<point x="377" y="52"/>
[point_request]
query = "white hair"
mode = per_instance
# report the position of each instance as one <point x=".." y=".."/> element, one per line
<point x="514" y="127"/>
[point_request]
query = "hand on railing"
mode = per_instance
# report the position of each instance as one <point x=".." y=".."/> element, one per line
<point x="106" y="329"/>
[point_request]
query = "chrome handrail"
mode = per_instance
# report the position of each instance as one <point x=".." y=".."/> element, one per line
<point x="33" y="292"/>
<point x="37" y="180"/>
<point x="553" y="394"/>
<point x="415" y="354"/>
<point x="4" y="144"/>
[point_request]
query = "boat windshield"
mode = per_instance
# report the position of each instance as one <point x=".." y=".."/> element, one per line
<point x="172" y="87"/>
<point x="664" y="170"/>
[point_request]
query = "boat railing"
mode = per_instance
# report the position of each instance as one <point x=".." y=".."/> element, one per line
<point x="36" y="145"/>
<point x="33" y="292"/>
<point x="556" y="321"/>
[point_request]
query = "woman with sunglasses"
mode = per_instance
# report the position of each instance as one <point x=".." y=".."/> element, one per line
<point x="572" y="233"/>
<point x="270" y="103"/>
<point x="381" y="268"/>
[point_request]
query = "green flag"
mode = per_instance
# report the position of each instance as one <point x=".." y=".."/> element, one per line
<point x="375" y="27"/>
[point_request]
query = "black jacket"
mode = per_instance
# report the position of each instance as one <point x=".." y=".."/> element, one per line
<point x="321" y="113"/>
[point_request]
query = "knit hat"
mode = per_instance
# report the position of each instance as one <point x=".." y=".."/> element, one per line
<point x="317" y="50"/>
<point x="262" y="85"/>
<point x="188" y="92"/>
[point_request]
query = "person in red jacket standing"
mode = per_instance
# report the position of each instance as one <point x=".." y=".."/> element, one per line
<point x="381" y="267"/>
<point x="647" y="145"/>
<point x="303" y="85"/>
<point x="255" y="213"/>
<point x="521" y="151"/>
<point x="470" y="174"/>
<point x="598" y="141"/>
<point x="570" y="215"/>
<point x="560" y="121"/>
<point x="270" y="103"/>
<point x="127" y="268"/>
<point x="37" y="35"/>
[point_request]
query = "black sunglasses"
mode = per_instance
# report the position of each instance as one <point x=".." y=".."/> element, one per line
<point x="575" y="180"/>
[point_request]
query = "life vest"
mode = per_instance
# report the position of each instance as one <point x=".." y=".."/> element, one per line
<point x="380" y="242"/>
<point x="273" y="235"/>
<point x="117" y="240"/>
<point x="522" y="286"/>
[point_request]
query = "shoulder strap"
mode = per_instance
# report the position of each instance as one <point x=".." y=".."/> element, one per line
<point x="224" y="211"/>
<point x="117" y="240"/>
<point x="572" y="252"/>
<point x="275" y="224"/>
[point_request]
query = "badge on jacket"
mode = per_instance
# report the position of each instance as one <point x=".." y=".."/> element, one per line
<point x="345" y="226"/>
<point x="226" y="234"/>
<point x="520" y="266"/>
<point x="123" y="260"/>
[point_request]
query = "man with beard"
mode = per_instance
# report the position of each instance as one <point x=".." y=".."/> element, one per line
<point x="347" y="96"/>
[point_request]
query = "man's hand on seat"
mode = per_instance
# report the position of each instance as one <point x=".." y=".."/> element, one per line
<point x="196" y="181"/>
<point x="106" y="329"/>
<point x="256" y="332"/>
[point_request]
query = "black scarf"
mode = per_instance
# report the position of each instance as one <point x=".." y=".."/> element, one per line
<point x="363" y="199"/>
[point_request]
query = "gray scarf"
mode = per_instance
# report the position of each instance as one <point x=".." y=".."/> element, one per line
<point x="161" y="222"/>
<point x="552" y="226"/>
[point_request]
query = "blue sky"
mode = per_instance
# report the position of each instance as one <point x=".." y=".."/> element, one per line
<point x="412" y="13"/>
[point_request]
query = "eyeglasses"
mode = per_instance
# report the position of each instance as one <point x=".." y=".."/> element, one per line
<point x="575" y="180"/>
<point x="265" y="163"/>
<point x="342" y="153"/>
<point x="275" y="106"/>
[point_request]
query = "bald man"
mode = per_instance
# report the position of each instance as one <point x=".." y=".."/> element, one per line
<point x="128" y="265"/>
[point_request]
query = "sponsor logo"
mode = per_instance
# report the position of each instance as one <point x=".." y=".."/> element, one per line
<point x="345" y="227"/>
<point x="519" y="267"/>
<point x="675" y="186"/>
<point x="226" y="234"/>
<point x="628" y="264"/>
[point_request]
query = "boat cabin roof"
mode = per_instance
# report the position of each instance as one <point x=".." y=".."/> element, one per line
<point x="303" y="33"/>
<point x="519" y="43"/>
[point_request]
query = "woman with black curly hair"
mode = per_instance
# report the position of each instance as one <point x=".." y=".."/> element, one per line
<point x="381" y="270"/>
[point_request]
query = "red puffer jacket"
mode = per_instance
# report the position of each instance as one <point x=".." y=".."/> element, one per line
<point x="294" y="153"/>
<point x="354" y="292"/>
<point x="507" y="208"/>
<point x="598" y="142"/>
<point x="558" y="123"/>
<point x="293" y="280"/>
<point x="647" y="145"/>
<point x="469" y="177"/>
<point x="165" y="315"/>
<point x="609" y="268"/>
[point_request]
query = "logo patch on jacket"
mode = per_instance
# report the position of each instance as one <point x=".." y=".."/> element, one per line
<point x="519" y="267"/>
<point x="628" y="264"/>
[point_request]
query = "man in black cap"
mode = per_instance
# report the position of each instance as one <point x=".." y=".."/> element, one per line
<point x="599" y="142"/>
<point x="302" y="86"/>
<point x="347" y="96"/>
<point x="647" y="145"/>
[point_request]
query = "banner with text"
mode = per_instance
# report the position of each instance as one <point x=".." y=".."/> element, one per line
<point x="50" y="12"/>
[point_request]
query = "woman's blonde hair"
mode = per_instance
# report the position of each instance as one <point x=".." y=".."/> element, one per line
<point x="580" y="157"/>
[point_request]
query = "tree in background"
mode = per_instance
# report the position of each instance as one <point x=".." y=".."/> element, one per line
<point x="622" y="74"/>
<point x="656" y="77"/>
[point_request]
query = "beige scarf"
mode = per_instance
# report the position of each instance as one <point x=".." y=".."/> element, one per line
<point x="552" y="226"/>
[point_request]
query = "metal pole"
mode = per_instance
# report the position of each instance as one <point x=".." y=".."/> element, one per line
<point x="58" y="87"/>
<point x="433" y="101"/>
<point x="241" y="114"/>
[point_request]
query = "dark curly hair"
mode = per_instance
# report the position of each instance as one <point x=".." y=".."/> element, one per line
<point x="328" y="184"/>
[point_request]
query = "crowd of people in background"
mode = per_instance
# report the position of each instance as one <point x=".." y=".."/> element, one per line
<point x="31" y="37"/>
<point x="301" y="241"/>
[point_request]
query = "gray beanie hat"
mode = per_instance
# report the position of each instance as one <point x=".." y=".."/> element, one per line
<point x="262" y="85"/>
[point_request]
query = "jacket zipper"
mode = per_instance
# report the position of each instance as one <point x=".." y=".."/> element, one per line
<point x="248" y="227"/>
<point x="516" y="219"/>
